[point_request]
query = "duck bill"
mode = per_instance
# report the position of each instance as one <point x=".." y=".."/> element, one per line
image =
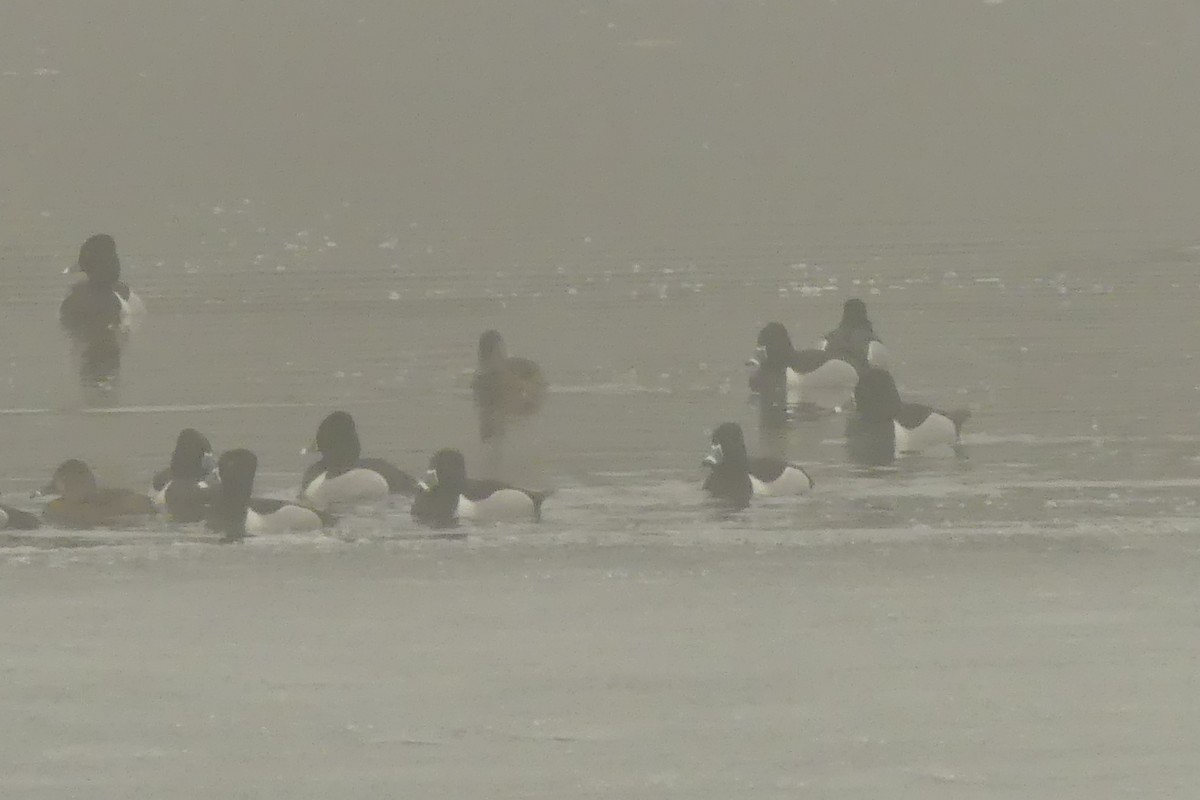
<point x="760" y="357"/>
<point x="46" y="491"/>
<point x="714" y="457"/>
<point x="309" y="449"/>
<point x="208" y="463"/>
<point x="429" y="482"/>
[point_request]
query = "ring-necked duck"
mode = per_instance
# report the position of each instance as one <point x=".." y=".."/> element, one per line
<point x="729" y="476"/>
<point x="186" y="488"/>
<point x="237" y="514"/>
<point x="884" y="426"/>
<point x="447" y="495"/>
<point x="342" y="476"/>
<point x="14" y="519"/>
<point x="99" y="311"/>
<point x="812" y="378"/>
<point x="769" y="477"/>
<point x="84" y="505"/>
<point x="505" y="387"/>
<point x="854" y="339"/>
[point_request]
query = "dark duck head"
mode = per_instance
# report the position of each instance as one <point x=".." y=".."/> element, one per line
<point x="437" y="501"/>
<point x="236" y="469"/>
<point x="98" y="260"/>
<point x="193" y="457"/>
<point x="337" y="442"/>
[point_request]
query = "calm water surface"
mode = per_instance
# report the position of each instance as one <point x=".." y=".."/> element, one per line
<point x="326" y="213"/>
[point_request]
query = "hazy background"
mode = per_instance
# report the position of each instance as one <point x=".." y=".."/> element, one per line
<point x="324" y="203"/>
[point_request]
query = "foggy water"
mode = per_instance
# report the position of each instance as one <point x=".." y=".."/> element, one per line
<point x="324" y="204"/>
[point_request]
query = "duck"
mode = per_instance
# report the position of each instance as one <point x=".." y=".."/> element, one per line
<point x="186" y="488"/>
<point x="854" y="339"/>
<point x="84" y="505"/>
<point x="342" y="476"/>
<point x="798" y="378"/>
<point x="448" y="496"/>
<point x="99" y="311"/>
<point x="14" y="519"/>
<point x="728" y="479"/>
<point x="236" y="513"/>
<point x="884" y="426"/>
<point x="769" y="477"/>
<point x="504" y="387"/>
<point x="774" y="477"/>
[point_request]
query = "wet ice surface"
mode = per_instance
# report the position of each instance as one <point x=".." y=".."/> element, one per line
<point x="1012" y="623"/>
<point x="1021" y="665"/>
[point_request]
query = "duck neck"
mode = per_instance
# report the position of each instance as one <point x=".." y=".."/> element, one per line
<point x="341" y="458"/>
<point x="229" y="513"/>
<point x="437" y="507"/>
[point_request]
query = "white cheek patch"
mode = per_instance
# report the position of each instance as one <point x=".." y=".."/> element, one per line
<point x="353" y="486"/>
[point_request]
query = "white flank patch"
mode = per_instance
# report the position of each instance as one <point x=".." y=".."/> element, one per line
<point x="355" y="486"/>
<point x="159" y="498"/>
<point x="504" y="505"/>
<point x="132" y="311"/>
<point x="287" y="519"/>
<point x="935" y="433"/>
<point x="791" y="481"/>
<point x="830" y="385"/>
<point x="877" y="355"/>
<point x="793" y="383"/>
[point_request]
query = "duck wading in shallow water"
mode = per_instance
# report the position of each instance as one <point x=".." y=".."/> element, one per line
<point x="99" y="312"/>
<point x="505" y="387"/>
<point x="797" y="382"/>
<point x="447" y="496"/>
<point x="83" y="505"/>
<point x="735" y="477"/>
<point x="342" y="476"/>
<point x="883" y="426"/>
<point x="236" y="514"/>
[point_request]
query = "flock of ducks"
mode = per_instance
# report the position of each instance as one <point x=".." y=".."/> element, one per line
<point x="848" y="371"/>
<point x="197" y="486"/>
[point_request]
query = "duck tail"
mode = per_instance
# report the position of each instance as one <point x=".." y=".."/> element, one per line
<point x="811" y="483"/>
<point x="959" y="417"/>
